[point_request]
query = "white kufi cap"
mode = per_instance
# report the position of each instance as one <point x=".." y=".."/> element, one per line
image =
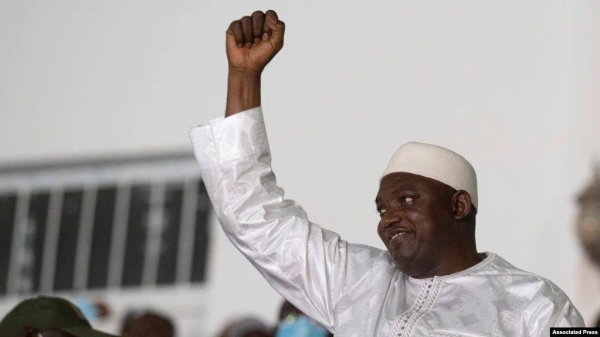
<point x="437" y="163"/>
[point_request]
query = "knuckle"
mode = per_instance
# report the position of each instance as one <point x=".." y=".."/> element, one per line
<point x="246" y="18"/>
<point x="258" y="14"/>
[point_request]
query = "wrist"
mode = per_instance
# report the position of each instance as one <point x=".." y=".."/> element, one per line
<point x="245" y="73"/>
<point x="243" y="91"/>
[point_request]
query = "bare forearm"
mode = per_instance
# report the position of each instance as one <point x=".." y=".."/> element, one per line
<point x="243" y="91"/>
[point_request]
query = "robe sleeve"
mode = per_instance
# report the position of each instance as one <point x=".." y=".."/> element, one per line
<point x="305" y="263"/>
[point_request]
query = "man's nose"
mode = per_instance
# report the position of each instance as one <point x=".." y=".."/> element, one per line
<point x="390" y="218"/>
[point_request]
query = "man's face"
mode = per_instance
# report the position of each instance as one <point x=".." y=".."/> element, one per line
<point x="416" y="221"/>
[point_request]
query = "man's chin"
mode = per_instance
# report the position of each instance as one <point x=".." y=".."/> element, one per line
<point x="404" y="263"/>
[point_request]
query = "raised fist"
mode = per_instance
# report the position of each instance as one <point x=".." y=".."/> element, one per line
<point x="254" y="40"/>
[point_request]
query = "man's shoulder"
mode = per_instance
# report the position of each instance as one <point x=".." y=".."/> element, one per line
<point x="505" y="268"/>
<point x="514" y="292"/>
<point x="539" y="296"/>
<point x="522" y="282"/>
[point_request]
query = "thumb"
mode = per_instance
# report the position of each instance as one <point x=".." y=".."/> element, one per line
<point x="277" y="28"/>
<point x="230" y="40"/>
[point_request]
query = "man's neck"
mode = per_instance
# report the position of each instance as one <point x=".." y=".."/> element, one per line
<point x="453" y="264"/>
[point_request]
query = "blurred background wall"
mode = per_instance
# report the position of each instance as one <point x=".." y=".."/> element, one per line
<point x="512" y="86"/>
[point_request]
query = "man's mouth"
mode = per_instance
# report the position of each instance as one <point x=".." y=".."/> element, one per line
<point x="398" y="236"/>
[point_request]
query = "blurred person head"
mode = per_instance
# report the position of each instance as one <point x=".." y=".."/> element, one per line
<point x="47" y="317"/>
<point x="93" y="310"/>
<point x="293" y="322"/>
<point x="246" y="327"/>
<point x="147" y="324"/>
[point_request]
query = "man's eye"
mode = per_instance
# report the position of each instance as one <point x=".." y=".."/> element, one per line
<point x="408" y="199"/>
<point x="381" y="211"/>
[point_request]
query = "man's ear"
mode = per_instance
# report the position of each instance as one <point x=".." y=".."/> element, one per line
<point x="461" y="204"/>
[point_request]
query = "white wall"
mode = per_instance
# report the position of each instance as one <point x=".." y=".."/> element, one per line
<point x="587" y="100"/>
<point x="500" y="82"/>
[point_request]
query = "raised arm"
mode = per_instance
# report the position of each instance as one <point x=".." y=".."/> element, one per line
<point x="310" y="266"/>
<point x="251" y="43"/>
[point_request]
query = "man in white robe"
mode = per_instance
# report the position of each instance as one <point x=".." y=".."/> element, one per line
<point x="431" y="281"/>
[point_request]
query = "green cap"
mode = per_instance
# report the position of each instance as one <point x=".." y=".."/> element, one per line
<point x="47" y="312"/>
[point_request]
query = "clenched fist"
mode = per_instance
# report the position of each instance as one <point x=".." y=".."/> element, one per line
<point x="254" y="40"/>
